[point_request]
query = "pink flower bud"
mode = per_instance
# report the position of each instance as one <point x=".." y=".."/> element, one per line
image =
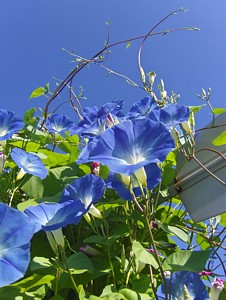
<point x="95" y="168"/>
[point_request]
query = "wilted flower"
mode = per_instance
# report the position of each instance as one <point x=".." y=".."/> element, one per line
<point x="10" y="123"/>
<point x="16" y="232"/>
<point x="216" y="287"/>
<point x="29" y="163"/>
<point x="56" y="123"/>
<point x="129" y="145"/>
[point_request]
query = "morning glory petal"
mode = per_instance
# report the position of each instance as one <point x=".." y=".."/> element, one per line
<point x="29" y="162"/>
<point x="142" y="108"/>
<point x="170" y="115"/>
<point x="95" y="119"/>
<point x="129" y="145"/>
<point x="58" y="123"/>
<point x="87" y="190"/>
<point x="10" y="123"/>
<point x="195" y="286"/>
<point x="14" y="244"/>
<point x="153" y="174"/>
<point x="52" y="216"/>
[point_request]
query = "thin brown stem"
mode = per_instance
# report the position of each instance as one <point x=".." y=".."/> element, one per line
<point x="208" y="171"/>
<point x="84" y="63"/>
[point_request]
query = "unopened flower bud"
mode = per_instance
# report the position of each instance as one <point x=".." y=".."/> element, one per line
<point x="141" y="176"/>
<point x="95" y="168"/>
<point x="163" y="94"/>
<point x="2" y="161"/>
<point x="152" y="76"/>
<point x="187" y="127"/>
<point x="142" y="75"/>
<point x="167" y="273"/>
<point x="203" y="93"/>
<point x="95" y="212"/>
<point x="90" y="250"/>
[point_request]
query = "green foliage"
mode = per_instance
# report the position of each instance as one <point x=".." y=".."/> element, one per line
<point x="143" y="255"/>
<point x="220" y="140"/>
<point x="37" y="92"/>
<point x="186" y="260"/>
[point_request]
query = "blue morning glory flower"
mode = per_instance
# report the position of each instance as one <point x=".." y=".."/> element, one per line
<point x="10" y="123"/>
<point x="15" y="234"/>
<point x="29" y="163"/>
<point x="52" y="216"/>
<point x="86" y="190"/>
<point x="129" y="145"/>
<point x="96" y="120"/>
<point x="142" y="108"/>
<point x="115" y="181"/>
<point x="181" y="283"/>
<point x="170" y="115"/>
<point x="56" y="123"/>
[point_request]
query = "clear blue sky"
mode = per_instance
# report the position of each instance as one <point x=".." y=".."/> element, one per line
<point x="32" y="34"/>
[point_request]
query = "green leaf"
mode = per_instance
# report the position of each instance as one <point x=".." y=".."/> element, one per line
<point x="34" y="187"/>
<point x="202" y="242"/>
<point x="29" y="147"/>
<point x="55" y="159"/>
<point x="37" y="93"/>
<point x="110" y="293"/>
<point x="57" y="297"/>
<point x="196" y="109"/>
<point x="219" y="110"/>
<point x="33" y="281"/>
<point x="29" y="118"/>
<point x="132" y="295"/>
<point x="46" y="91"/>
<point x="143" y="255"/>
<point x="220" y="140"/>
<point x="10" y="292"/>
<point x="80" y="263"/>
<point x="181" y="234"/>
<point x="223" y="219"/>
<point x="40" y="263"/>
<point x="96" y="239"/>
<point x="128" y="45"/>
<point x="186" y="260"/>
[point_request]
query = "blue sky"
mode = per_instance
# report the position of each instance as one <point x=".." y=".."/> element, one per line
<point x="32" y="34"/>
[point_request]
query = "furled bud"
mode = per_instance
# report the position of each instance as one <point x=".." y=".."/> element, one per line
<point x="142" y="75"/>
<point x="2" y="161"/>
<point x="163" y="94"/>
<point x="90" y="250"/>
<point x="152" y="76"/>
<point x="95" y="168"/>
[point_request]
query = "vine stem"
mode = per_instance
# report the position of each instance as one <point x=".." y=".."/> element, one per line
<point x="208" y="171"/>
<point x="157" y="258"/>
<point x="152" y="283"/>
<point x="150" y="32"/>
<point x="73" y="282"/>
<point x="81" y="65"/>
